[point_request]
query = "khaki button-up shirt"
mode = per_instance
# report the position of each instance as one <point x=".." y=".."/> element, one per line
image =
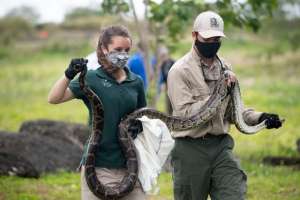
<point x="190" y="83"/>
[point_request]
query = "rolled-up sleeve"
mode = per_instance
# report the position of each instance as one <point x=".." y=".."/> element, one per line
<point x="181" y="96"/>
<point x="250" y="116"/>
<point x="75" y="88"/>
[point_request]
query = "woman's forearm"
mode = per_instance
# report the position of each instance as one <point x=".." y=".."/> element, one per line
<point x="60" y="92"/>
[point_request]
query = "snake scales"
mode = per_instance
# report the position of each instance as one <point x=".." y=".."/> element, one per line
<point x="207" y="111"/>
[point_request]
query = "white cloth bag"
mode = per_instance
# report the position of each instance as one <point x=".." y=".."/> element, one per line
<point x="153" y="145"/>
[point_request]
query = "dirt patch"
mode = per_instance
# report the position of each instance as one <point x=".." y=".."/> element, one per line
<point x="2" y="196"/>
<point x="42" y="190"/>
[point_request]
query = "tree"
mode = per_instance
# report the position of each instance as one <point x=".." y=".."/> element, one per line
<point x="289" y="9"/>
<point x="115" y="6"/>
<point x="82" y="12"/>
<point x="13" y="28"/>
<point x="176" y="15"/>
<point x="25" y="12"/>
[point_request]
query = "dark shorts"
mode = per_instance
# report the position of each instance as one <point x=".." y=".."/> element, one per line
<point x="206" y="166"/>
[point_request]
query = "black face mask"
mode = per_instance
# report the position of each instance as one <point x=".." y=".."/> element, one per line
<point x="207" y="49"/>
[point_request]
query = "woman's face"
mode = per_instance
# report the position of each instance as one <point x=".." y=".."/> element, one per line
<point x="120" y="44"/>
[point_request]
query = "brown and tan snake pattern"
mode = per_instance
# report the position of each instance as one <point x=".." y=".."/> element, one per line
<point x="206" y="112"/>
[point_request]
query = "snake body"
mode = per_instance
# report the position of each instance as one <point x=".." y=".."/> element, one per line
<point x="237" y="115"/>
<point x="99" y="189"/>
<point x="174" y="123"/>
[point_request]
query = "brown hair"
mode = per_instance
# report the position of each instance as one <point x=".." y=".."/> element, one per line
<point x="108" y="33"/>
<point x="105" y="39"/>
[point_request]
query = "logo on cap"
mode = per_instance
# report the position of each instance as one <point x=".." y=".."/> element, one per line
<point x="214" y="22"/>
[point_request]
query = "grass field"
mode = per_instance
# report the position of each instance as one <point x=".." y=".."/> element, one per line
<point x="269" y="82"/>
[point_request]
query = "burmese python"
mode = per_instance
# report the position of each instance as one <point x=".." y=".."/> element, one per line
<point x="207" y="111"/>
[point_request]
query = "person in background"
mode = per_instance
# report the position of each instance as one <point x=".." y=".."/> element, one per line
<point x="92" y="59"/>
<point x="121" y="93"/>
<point x="202" y="158"/>
<point x="137" y="64"/>
<point x="163" y="67"/>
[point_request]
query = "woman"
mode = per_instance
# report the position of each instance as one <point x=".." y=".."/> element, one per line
<point x="120" y="91"/>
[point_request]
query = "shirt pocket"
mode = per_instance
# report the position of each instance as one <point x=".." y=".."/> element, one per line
<point x="199" y="93"/>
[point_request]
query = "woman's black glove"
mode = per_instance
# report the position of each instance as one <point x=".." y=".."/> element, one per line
<point x="135" y="127"/>
<point x="272" y="120"/>
<point x="76" y="65"/>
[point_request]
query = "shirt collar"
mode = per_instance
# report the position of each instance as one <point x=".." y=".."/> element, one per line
<point x="102" y="74"/>
<point x="130" y="75"/>
<point x="199" y="61"/>
<point x="195" y="56"/>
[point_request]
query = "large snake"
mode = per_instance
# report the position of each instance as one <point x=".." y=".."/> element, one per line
<point x="174" y="123"/>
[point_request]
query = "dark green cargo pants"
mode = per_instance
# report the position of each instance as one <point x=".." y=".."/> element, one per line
<point x="206" y="166"/>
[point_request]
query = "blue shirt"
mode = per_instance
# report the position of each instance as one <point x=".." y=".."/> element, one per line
<point x="136" y="65"/>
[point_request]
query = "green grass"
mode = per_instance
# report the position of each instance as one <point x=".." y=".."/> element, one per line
<point x="25" y="90"/>
<point x="274" y="183"/>
<point x="269" y="84"/>
<point x="62" y="185"/>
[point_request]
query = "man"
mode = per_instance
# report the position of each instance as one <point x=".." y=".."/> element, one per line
<point x="202" y="157"/>
<point x="164" y="66"/>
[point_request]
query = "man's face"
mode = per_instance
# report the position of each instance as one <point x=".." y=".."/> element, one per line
<point x="206" y="47"/>
<point x="196" y="35"/>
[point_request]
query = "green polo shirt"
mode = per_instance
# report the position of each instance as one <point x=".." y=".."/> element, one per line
<point x="118" y="99"/>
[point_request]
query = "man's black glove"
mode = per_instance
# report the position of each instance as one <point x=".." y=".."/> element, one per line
<point x="272" y="120"/>
<point x="135" y="127"/>
<point x="76" y="65"/>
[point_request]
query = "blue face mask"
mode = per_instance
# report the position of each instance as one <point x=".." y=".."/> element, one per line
<point x="118" y="59"/>
<point x="207" y="49"/>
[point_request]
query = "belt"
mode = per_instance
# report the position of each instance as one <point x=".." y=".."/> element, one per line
<point x="204" y="137"/>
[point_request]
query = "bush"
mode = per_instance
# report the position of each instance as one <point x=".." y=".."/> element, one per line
<point x="13" y="28"/>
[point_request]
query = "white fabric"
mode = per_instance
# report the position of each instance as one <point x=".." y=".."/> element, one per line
<point x="92" y="61"/>
<point x="153" y="145"/>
